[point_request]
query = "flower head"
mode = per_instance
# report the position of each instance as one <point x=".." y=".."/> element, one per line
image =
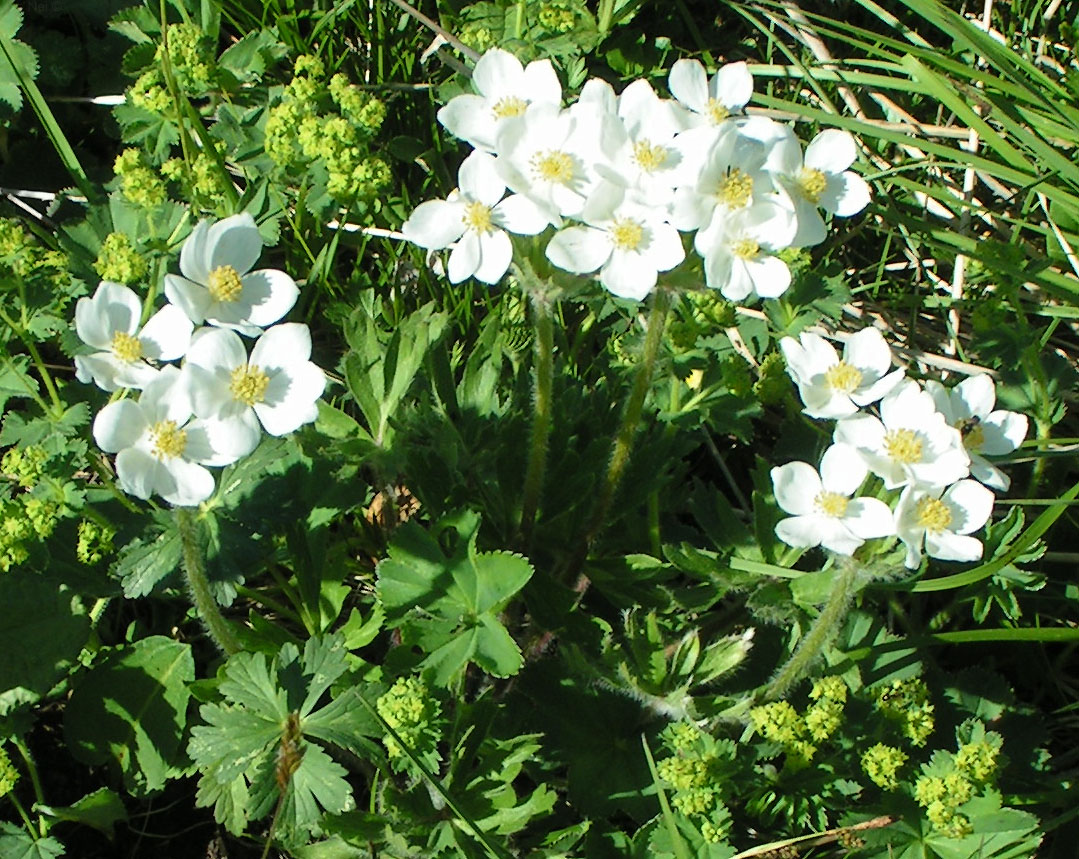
<point x="739" y="250"/>
<point x="475" y="219"/>
<point x="834" y="387"/>
<point x="824" y="512"/>
<point x="217" y="285"/>
<point x="985" y="431"/>
<point x="159" y="449"/>
<point x="943" y="520"/>
<point x="109" y="322"/>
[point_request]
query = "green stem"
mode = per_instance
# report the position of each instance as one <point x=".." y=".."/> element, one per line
<point x="199" y="586"/>
<point x="631" y="416"/>
<point x="542" y="381"/>
<point x="35" y="356"/>
<point x="820" y="634"/>
<point x="35" y="781"/>
<point x="25" y="817"/>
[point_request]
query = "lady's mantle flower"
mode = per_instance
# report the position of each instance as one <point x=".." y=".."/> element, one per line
<point x="109" y="322"/>
<point x="834" y="387"/>
<point x="629" y="243"/>
<point x="218" y="285"/>
<point x="506" y="89"/>
<point x="159" y="449"/>
<point x="824" y="513"/>
<point x="473" y="217"/>
<point x="943" y="521"/>
<point x="969" y="408"/>
<point x="821" y="180"/>
<point x="910" y="443"/>
<point x="277" y="386"/>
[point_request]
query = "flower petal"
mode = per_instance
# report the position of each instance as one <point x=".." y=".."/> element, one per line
<point x="796" y="486"/>
<point x="194" y="264"/>
<point x="192" y="299"/>
<point x="802" y="532"/>
<point x="119" y="425"/>
<point x="947" y="546"/>
<point x="845" y="195"/>
<point x="970" y="504"/>
<point x="268" y="294"/>
<point x="282" y="346"/>
<point x="688" y="82"/>
<point x="182" y="483"/>
<point x="579" y="249"/>
<point x="167" y="334"/>
<point x="465" y="257"/>
<point x="496" y="253"/>
<point x="137" y="472"/>
<point x="435" y="224"/>
<point x="235" y="242"/>
<point x="842" y="469"/>
<point x="831" y="151"/>
<point x="291" y="399"/>
<point x="869" y="518"/>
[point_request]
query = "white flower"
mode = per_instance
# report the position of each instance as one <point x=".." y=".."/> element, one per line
<point x="943" y="521"/>
<point x="821" y="180"/>
<point x="969" y="408"/>
<point x="506" y="89"/>
<point x="910" y="443"/>
<point x="831" y="387"/>
<point x="739" y="251"/>
<point x="711" y="100"/>
<point x="473" y="217"/>
<point x="278" y="386"/>
<point x="824" y="513"/>
<point x="725" y="180"/>
<point x="628" y="241"/>
<point x="546" y="157"/>
<point x="109" y="322"/>
<point x="218" y="285"/>
<point x="159" y="449"/>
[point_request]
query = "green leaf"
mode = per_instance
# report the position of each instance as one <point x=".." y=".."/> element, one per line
<point x="247" y="59"/>
<point x="142" y="565"/>
<point x="101" y="809"/>
<point x="44" y="629"/>
<point x="16" y="843"/>
<point x="131" y="709"/>
<point x="14" y="380"/>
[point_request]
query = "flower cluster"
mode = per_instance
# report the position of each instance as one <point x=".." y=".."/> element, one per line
<point x="212" y="410"/>
<point x="416" y="717"/>
<point x="927" y="447"/>
<point x="619" y="177"/>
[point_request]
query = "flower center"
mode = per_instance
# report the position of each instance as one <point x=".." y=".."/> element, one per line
<point x="812" y="183"/>
<point x="933" y="514"/>
<point x="746" y="248"/>
<point x="125" y="347"/>
<point x="248" y="384"/>
<point x="224" y="284"/>
<point x="553" y="166"/>
<point x="735" y="189"/>
<point x="649" y="156"/>
<point x="477" y="217"/>
<point x="903" y="445"/>
<point x="716" y="111"/>
<point x="843" y="377"/>
<point x="166" y="440"/>
<point x="509" y="106"/>
<point x="627" y="234"/>
<point x="832" y="503"/>
<point x="972" y="432"/>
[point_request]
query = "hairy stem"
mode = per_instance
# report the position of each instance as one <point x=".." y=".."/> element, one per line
<point x="542" y="378"/>
<point x="824" y="629"/>
<point x="198" y="585"/>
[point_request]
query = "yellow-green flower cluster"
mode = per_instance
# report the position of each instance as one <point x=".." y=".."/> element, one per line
<point x="882" y="764"/>
<point x="190" y="56"/>
<point x="332" y="123"/>
<point x="139" y="184"/>
<point x="118" y="260"/>
<point x="9" y="776"/>
<point x="692" y="773"/>
<point x="477" y="36"/>
<point x="941" y="797"/>
<point x="978" y="760"/>
<point x="23" y="257"/>
<point x="94" y="543"/>
<point x="780" y="723"/>
<point x="201" y="178"/>
<point x="557" y="16"/>
<point x="907" y="702"/>
<point x="149" y="92"/>
<point x="773" y="383"/>
<point x="414" y="714"/>
<point x="825" y="715"/>
<point x="24" y="465"/>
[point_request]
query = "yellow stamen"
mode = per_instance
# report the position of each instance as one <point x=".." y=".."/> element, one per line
<point x="627" y="234"/>
<point x="746" y="248"/>
<point x="716" y="111"/>
<point x="553" y="166"/>
<point x="735" y="189"/>
<point x="166" y="440"/>
<point x="832" y="503"/>
<point x="477" y="217"/>
<point x="509" y="106"/>
<point x="843" y="377"/>
<point x="125" y="347"/>
<point x="933" y="515"/>
<point x="812" y="183"/>
<point x="224" y="284"/>
<point x="649" y="156"/>
<point x="903" y="445"/>
<point x="247" y="384"/>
